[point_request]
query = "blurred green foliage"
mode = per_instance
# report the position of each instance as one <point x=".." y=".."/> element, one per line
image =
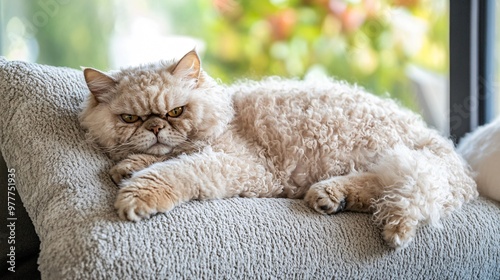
<point x="368" y="42"/>
<point x="71" y="33"/>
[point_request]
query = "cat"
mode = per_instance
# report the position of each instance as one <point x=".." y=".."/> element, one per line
<point x="178" y="135"/>
<point x="481" y="149"/>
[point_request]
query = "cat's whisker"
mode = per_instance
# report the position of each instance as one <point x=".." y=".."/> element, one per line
<point x="123" y="147"/>
<point x="194" y="144"/>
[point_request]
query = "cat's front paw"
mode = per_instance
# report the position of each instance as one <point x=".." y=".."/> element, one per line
<point x="125" y="168"/>
<point x="121" y="171"/>
<point x="141" y="197"/>
<point x="326" y="197"/>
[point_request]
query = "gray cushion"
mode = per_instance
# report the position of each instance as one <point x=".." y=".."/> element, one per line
<point x="65" y="188"/>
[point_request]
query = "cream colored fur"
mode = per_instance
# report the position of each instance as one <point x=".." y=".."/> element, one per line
<point x="328" y="142"/>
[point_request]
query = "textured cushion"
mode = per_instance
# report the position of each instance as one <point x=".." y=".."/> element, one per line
<point x="65" y="188"/>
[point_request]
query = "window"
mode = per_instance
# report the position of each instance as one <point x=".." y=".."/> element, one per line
<point x="472" y="65"/>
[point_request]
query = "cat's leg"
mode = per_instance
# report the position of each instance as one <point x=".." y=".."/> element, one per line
<point x="418" y="188"/>
<point x="205" y="175"/>
<point x="398" y="212"/>
<point x="125" y="168"/>
<point x="354" y="192"/>
<point x="404" y="188"/>
<point x="389" y="197"/>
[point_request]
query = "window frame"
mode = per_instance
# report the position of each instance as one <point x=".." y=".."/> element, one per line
<point x="471" y="84"/>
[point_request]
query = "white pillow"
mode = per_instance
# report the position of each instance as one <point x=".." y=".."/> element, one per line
<point x="481" y="149"/>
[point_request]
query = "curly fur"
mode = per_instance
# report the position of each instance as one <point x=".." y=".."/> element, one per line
<point x="333" y="144"/>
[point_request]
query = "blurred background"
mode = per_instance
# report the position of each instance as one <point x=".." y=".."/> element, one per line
<point x="396" y="48"/>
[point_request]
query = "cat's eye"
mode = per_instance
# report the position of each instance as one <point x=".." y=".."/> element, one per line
<point x="129" y="118"/>
<point x="174" y="113"/>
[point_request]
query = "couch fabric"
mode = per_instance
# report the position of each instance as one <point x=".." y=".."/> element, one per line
<point x="63" y="183"/>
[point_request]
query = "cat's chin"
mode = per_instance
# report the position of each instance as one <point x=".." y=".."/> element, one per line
<point x="159" y="149"/>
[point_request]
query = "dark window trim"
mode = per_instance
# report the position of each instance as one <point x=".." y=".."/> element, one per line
<point x="472" y="42"/>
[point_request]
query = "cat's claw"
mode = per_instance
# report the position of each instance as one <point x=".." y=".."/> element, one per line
<point x="342" y="205"/>
<point x="328" y="207"/>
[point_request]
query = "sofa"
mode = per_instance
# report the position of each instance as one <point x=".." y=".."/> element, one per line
<point x="70" y="229"/>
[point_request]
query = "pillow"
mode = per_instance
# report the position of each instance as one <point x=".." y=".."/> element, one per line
<point x="481" y="149"/>
<point x="65" y="187"/>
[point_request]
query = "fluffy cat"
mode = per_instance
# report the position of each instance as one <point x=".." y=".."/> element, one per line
<point x="177" y="135"/>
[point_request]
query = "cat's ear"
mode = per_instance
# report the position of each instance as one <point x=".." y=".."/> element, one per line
<point x="188" y="67"/>
<point x="98" y="83"/>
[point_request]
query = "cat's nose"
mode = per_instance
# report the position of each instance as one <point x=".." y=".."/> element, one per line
<point x="155" y="128"/>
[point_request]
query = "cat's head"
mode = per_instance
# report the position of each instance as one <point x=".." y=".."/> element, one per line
<point x="154" y="109"/>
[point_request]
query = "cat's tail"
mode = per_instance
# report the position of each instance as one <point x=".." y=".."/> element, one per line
<point x="419" y="186"/>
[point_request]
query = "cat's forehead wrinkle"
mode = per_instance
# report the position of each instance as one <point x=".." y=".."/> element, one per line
<point x="130" y="105"/>
<point x="140" y="104"/>
<point x="159" y="105"/>
<point x="149" y="102"/>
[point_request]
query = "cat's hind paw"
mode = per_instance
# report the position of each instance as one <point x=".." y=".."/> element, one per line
<point x="399" y="233"/>
<point x="326" y="197"/>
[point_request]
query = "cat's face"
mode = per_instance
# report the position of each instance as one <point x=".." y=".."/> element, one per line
<point x="154" y="109"/>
